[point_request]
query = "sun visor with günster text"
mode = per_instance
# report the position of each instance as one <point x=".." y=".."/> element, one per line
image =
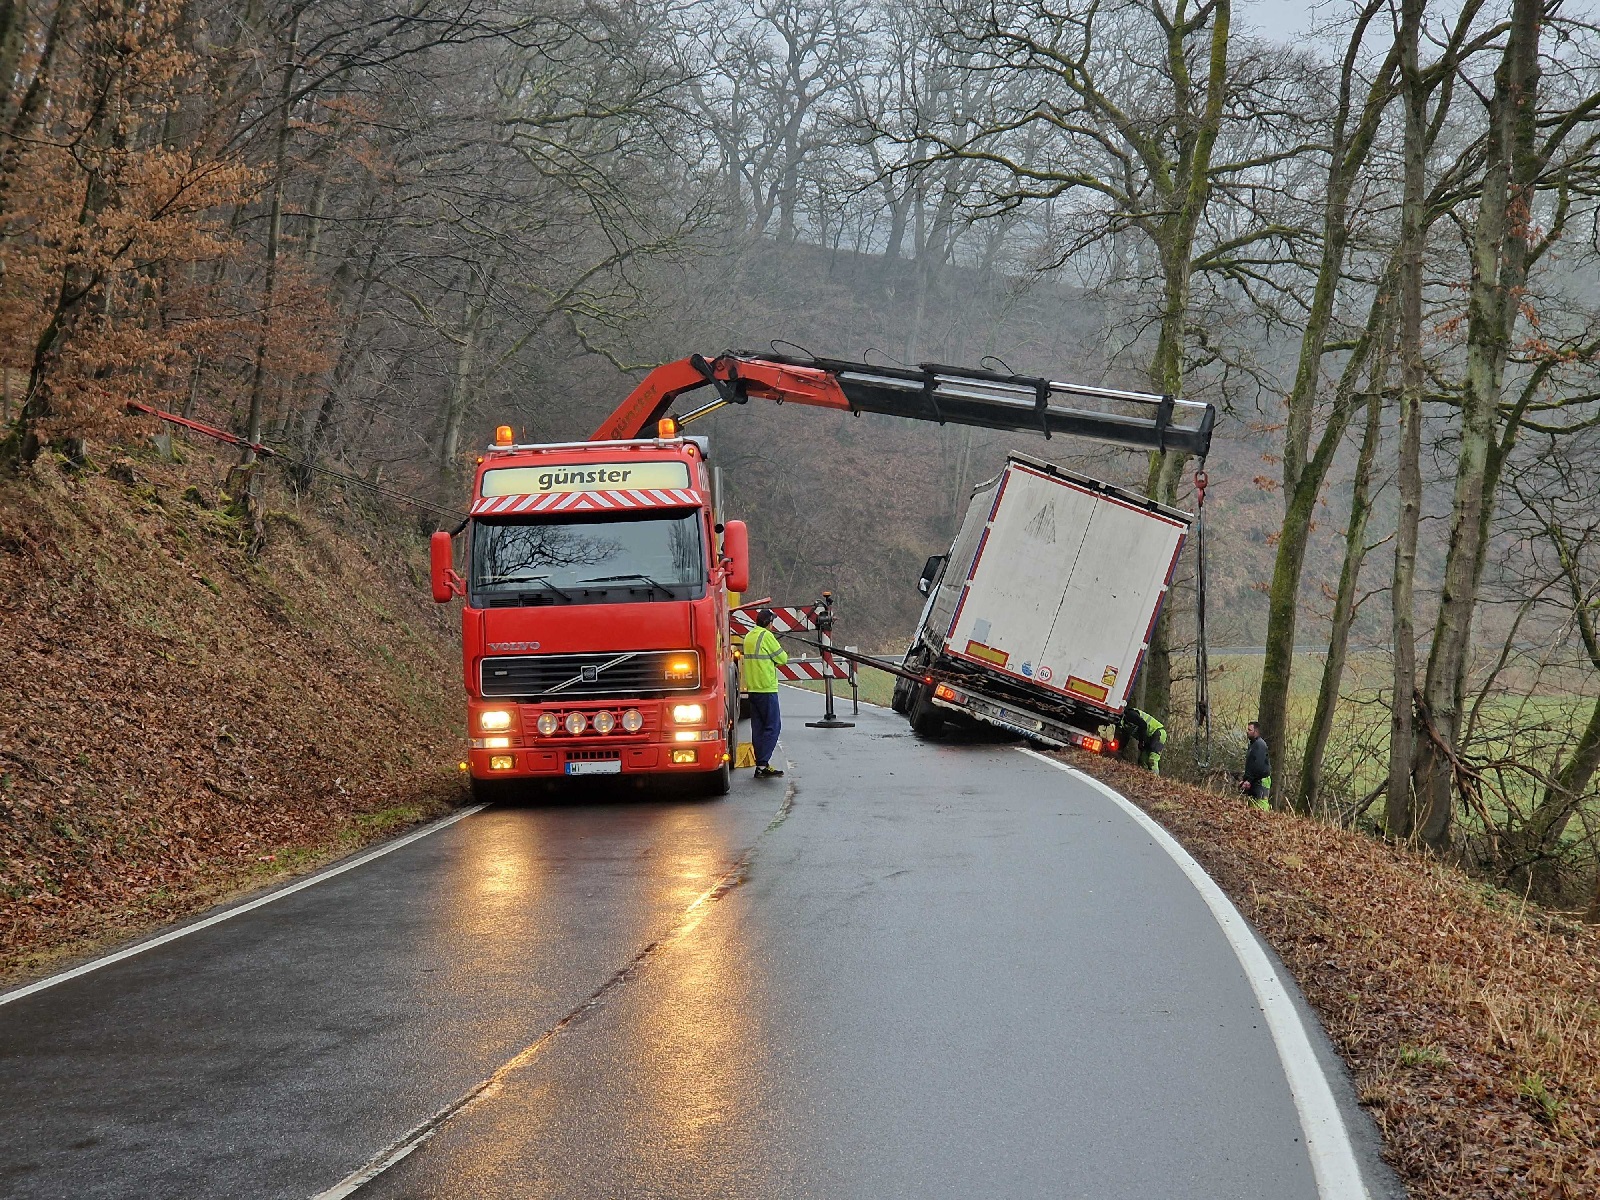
<point x="585" y="477"/>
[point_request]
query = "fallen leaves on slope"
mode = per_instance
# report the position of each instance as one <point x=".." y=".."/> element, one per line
<point x="180" y="721"/>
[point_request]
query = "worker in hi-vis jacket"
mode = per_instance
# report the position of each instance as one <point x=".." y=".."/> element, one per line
<point x="1149" y="733"/>
<point x="762" y="658"/>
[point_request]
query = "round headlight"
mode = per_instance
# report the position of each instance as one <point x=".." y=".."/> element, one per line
<point x="548" y="723"/>
<point x="632" y="721"/>
<point x="576" y="722"/>
<point x="604" y="722"/>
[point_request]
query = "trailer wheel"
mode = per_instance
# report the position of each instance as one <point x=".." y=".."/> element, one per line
<point x="926" y="720"/>
<point x="905" y="690"/>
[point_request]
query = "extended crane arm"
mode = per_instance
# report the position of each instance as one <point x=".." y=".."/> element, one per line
<point x="930" y="392"/>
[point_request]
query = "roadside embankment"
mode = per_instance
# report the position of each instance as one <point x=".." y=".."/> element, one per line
<point x="1471" y="1021"/>
<point x="180" y="721"/>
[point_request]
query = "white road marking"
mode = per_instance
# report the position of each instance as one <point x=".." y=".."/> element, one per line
<point x="1333" y="1158"/>
<point x="228" y="914"/>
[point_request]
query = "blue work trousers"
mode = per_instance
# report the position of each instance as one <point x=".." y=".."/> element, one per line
<point x="764" y="725"/>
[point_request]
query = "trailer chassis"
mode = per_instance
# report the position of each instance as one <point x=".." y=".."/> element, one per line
<point x="955" y="692"/>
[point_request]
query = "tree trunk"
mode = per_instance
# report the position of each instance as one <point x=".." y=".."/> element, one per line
<point x="81" y="282"/>
<point x="460" y="392"/>
<point x="1154" y="686"/>
<point x="1532" y="849"/>
<point x="1344" y="610"/>
<point x="1190" y="191"/>
<point x="1399" y="812"/>
<point x="1500" y="248"/>
<point x="1303" y="478"/>
<point x="258" y="375"/>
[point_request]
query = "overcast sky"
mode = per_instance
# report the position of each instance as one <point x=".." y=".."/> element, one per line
<point x="1281" y="19"/>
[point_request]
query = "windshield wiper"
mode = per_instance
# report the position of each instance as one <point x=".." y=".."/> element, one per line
<point x="630" y="575"/>
<point x="544" y="579"/>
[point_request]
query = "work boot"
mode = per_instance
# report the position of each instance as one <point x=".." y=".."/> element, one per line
<point x="767" y="773"/>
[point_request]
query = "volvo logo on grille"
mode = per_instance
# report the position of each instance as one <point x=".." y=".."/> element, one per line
<point x="591" y="674"/>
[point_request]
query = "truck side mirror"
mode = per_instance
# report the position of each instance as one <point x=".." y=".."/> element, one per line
<point x="441" y="561"/>
<point x="930" y="572"/>
<point x="736" y="552"/>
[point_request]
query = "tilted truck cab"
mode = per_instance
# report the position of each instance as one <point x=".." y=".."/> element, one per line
<point x="595" y="631"/>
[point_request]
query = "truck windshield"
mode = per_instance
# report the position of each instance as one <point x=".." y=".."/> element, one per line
<point x="628" y="556"/>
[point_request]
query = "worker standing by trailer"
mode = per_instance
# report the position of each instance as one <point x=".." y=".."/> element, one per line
<point x="762" y="658"/>
<point x="1149" y="733"/>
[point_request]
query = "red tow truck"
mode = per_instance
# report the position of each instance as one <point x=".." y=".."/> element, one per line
<point x="596" y="574"/>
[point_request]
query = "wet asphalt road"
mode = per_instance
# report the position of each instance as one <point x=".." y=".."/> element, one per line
<point x="942" y="970"/>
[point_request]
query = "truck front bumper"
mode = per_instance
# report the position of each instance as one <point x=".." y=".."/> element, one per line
<point x="583" y="757"/>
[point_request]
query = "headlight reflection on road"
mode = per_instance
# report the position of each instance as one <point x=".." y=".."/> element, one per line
<point x="675" y="1061"/>
<point x="698" y="1046"/>
<point x="508" y="874"/>
<point x="688" y="1055"/>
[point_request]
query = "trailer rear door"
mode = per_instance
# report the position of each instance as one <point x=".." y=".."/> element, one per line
<point x="1066" y="584"/>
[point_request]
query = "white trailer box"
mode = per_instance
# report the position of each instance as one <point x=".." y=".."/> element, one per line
<point x="1055" y="581"/>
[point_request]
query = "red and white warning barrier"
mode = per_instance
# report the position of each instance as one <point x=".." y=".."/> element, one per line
<point x="795" y="618"/>
<point x="804" y="669"/>
<point x="792" y="619"/>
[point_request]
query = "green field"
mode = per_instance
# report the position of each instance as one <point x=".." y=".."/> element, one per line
<point x="1514" y="730"/>
<point x="1521" y="724"/>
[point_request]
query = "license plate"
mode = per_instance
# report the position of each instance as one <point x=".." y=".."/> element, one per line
<point x="605" y="766"/>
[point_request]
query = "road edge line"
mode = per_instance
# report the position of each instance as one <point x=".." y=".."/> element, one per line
<point x="1333" y="1159"/>
<point x="228" y="914"/>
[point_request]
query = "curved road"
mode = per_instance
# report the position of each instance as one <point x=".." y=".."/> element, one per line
<point x="906" y="970"/>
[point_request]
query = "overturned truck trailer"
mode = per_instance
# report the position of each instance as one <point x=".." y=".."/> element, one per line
<point x="1039" y="617"/>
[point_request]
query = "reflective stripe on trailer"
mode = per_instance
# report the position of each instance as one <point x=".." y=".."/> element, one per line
<point x="498" y="506"/>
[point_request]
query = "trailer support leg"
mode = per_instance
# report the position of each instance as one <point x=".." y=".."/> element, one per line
<point x="830" y="719"/>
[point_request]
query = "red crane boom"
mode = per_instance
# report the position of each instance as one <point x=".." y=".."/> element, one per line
<point x="928" y="392"/>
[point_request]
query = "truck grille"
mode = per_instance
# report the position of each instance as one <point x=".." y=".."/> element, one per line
<point x="639" y="673"/>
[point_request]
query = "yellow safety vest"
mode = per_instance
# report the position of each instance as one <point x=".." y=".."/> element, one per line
<point x="762" y="658"/>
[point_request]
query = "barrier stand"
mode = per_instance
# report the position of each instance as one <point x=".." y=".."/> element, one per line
<point x="855" y="691"/>
<point x="823" y="617"/>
